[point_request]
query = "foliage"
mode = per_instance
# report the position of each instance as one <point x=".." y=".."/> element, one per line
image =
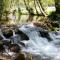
<point x="29" y="4"/>
<point x="54" y="16"/>
<point x="48" y="2"/>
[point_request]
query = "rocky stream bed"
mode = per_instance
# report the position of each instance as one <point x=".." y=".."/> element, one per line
<point x="17" y="42"/>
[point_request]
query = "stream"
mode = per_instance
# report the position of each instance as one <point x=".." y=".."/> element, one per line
<point x="43" y="45"/>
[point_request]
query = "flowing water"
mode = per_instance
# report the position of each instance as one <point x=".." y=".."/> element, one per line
<point x="43" y="45"/>
<point x="38" y="45"/>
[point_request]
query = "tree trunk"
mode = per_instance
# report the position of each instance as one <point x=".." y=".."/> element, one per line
<point x="36" y="7"/>
<point x="30" y="8"/>
<point x="41" y="8"/>
<point x="26" y="6"/>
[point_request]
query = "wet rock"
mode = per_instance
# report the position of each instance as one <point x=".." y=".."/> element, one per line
<point x="20" y="57"/>
<point x="21" y="34"/>
<point x="6" y="42"/>
<point x="21" y="43"/>
<point x="46" y="24"/>
<point x="41" y="24"/>
<point x="45" y="35"/>
<point x="1" y="38"/>
<point x="1" y="46"/>
<point x="5" y="58"/>
<point x="15" y="48"/>
<point x="7" y="33"/>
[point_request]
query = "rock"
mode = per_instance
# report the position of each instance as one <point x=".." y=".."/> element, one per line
<point x="41" y="24"/>
<point x="46" y="24"/>
<point x="15" y="48"/>
<point x="6" y="42"/>
<point x="7" y="33"/>
<point x="21" y="43"/>
<point x="1" y="38"/>
<point x="45" y="34"/>
<point x="21" y="34"/>
<point x="1" y="46"/>
<point x="5" y="58"/>
<point x="20" y="57"/>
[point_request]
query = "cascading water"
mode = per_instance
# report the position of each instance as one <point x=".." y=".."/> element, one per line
<point x="43" y="45"/>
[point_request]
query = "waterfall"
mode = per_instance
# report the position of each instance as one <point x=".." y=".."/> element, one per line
<point x="15" y="38"/>
<point x="41" y="43"/>
<point x="38" y="45"/>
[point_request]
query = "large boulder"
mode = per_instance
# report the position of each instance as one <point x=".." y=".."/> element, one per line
<point x="21" y="34"/>
<point x="45" y="34"/>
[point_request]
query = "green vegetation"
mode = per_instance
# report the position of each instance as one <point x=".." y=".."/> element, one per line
<point x="26" y="6"/>
<point x="31" y="7"/>
<point x="48" y="3"/>
<point x="42" y="13"/>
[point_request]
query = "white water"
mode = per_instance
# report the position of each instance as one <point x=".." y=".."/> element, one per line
<point x="38" y="45"/>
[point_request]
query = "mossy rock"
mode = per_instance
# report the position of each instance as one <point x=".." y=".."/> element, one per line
<point x="21" y="34"/>
<point x="20" y="57"/>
